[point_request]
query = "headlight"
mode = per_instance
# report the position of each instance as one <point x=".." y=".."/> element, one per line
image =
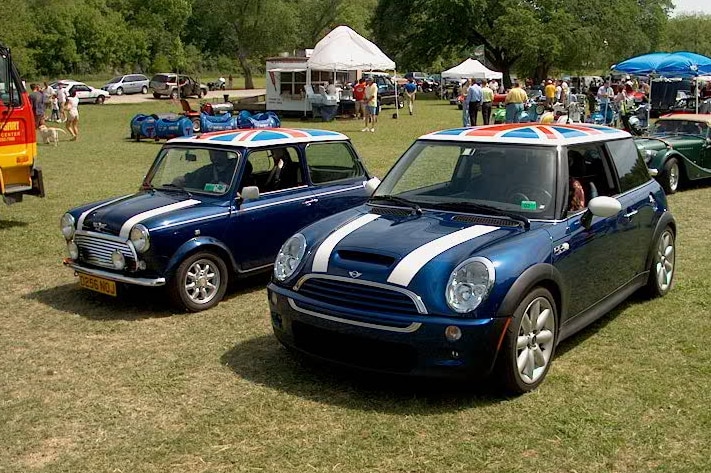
<point x="140" y="238"/>
<point x="469" y="284"/>
<point x="66" y="224"/>
<point x="289" y="257"/>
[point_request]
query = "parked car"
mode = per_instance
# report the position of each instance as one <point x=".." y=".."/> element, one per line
<point x="127" y="84"/>
<point x="176" y="85"/>
<point x="387" y="91"/>
<point x="212" y="208"/>
<point x="678" y="148"/>
<point x="474" y="257"/>
<point x="85" y="93"/>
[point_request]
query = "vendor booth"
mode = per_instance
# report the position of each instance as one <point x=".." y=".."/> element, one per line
<point x="471" y="69"/>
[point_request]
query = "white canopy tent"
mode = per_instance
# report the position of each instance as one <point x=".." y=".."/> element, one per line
<point x="471" y="68"/>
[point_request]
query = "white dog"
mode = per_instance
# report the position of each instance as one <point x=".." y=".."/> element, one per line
<point x="50" y="135"/>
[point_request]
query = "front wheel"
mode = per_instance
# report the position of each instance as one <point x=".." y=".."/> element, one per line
<point x="200" y="282"/>
<point x="196" y="124"/>
<point x="174" y="95"/>
<point x="661" y="272"/>
<point x="670" y="176"/>
<point x="119" y="91"/>
<point x="529" y="343"/>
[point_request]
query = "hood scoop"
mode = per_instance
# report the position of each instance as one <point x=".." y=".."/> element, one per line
<point x="490" y="221"/>
<point x="393" y="211"/>
<point x="366" y="257"/>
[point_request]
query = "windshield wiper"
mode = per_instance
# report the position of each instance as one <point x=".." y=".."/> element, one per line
<point x="174" y="187"/>
<point x="397" y="200"/>
<point x="484" y="209"/>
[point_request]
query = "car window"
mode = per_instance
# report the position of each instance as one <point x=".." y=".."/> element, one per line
<point x="590" y="171"/>
<point x="631" y="169"/>
<point x="194" y="169"/>
<point x="265" y="174"/>
<point x="329" y="162"/>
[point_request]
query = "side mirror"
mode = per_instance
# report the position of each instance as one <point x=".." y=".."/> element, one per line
<point x="250" y="193"/>
<point x="653" y="172"/>
<point x="371" y="184"/>
<point x="604" y="206"/>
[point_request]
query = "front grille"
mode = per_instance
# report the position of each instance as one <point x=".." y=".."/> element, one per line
<point x="96" y="249"/>
<point x="352" y="350"/>
<point x="359" y="296"/>
<point x="491" y="221"/>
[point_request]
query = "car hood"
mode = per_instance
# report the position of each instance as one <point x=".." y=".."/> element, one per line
<point x="393" y="249"/>
<point x="152" y="209"/>
<point x="659" y="142"/>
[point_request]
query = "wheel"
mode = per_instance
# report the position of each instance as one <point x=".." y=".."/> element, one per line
<point x="119" y="91"/>
<point x="156" y="95"/>
<point x="670" y="176"/>
<point x="204" y="92"/>
<point x="100" y="99"/>
<point x="661" y="272"/>
<point x="196" y="124"/>
<point x="144" y="90"/>
<point x="174" y="94"/>
<point x="529" y="343"/>
<point x="200" y="282"/>
<point x="530" y="193"/>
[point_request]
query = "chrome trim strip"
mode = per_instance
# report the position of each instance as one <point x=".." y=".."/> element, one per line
<point x="413" y="327"/>
<point x="80" y="220"/>
<point x="408" y="267"/>
<point x="296" y="198"/>
<point x="421" y="308"/>
<point x="128" y="224"/>
<point x="117" y="277"/>
<point x="323" y="253"/>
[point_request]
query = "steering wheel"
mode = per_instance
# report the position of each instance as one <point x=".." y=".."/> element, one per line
<point x="530" y="193"/>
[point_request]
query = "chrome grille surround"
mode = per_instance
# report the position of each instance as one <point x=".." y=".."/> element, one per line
<point x="96" y="248"/>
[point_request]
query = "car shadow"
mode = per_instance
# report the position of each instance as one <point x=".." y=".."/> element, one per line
<point x="263" y="360"/>
<point x="7" y="224"/>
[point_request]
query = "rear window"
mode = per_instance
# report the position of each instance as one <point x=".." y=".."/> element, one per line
<point x="161" y="78"/>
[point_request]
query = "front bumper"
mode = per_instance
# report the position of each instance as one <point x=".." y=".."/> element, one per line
<point x="147" y="282"/>
<point x="416" y="346"/>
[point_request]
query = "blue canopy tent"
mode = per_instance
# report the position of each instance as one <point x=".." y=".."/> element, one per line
<point x="676" y="64"/>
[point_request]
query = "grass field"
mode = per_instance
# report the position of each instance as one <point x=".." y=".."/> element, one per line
<point x="95" y="384"/>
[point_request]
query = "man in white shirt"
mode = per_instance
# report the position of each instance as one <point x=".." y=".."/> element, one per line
<point x="604" y="95"/>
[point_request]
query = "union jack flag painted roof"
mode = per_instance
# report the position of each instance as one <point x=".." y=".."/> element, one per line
<point x="530" y="133"/>
<point x="255" y="137"/>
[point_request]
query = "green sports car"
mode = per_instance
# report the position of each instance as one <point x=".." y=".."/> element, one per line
<point x="679" y="148"/>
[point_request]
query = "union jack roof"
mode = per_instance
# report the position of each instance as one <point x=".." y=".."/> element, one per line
<point x="530" y="133"/>
<point x="254" y="137"/>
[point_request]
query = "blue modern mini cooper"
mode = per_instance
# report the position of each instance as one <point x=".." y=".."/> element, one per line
<point x="211" y="208"/>
<point x="481" y="250"/>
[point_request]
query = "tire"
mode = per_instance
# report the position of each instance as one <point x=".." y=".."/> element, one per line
<point x="196" y="124"/>
<point x="174" y="94"/>
<point x="533" y="345"/>
<point x="670" y="176"/>
<point x="661" y="271"/>
<point x="100" y="100"/>
<point x="199" y="282"/>
<point x="144" y="90"/>
<point x="119" y="91"/>
<point x="156" y="95"/>
<point x="199" y="94"/>
<point x="204" y="92"/>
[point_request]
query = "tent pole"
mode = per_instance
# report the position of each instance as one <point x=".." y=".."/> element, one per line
<point x="397" y="97"/>
<point x="696" y="92"/>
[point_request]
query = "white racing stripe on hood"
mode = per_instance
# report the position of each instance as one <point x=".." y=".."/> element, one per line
<point x="408" y="267"/>
<point x="323" y="254"/>
<point x="126" y="227"/>
<point x="80" y="222"/>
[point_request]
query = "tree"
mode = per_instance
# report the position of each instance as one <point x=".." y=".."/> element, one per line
<point x="689" y="33"/>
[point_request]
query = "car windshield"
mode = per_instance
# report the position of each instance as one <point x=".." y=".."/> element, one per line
<point x="200" y="170"/>
<point x="679" y="127"/>
<point x="114" y="80"/>
<point x="510" y="179"/>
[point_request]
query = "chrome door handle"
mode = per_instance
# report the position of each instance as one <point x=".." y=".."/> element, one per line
<point x="631" y="214"/>
<point x="309" y="202"/>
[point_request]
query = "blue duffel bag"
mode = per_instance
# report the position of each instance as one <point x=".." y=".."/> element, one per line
<point x="258" y="120"/>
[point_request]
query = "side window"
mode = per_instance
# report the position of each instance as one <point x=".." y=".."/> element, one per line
<point x="631" y="169"/>
<point x="328" y="162"/>
<point x="589" y="175"/>
<point x="274" y="169"/>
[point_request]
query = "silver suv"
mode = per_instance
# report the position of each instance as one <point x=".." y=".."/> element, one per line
<point x="176" y="86"/>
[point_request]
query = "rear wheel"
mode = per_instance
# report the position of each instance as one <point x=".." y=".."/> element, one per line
<point x="144" y="90"/>
<point x="529" y="343"/>
<point x="200" y="282"/>
<point x="156" y="95"/>
<point x="670" y="176"/>
<point x="661" y="272"/>
<point x="100" y="99"/>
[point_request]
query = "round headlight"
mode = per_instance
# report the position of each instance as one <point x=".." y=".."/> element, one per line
<point x="72" y="250"/>
<point x="66" y="224"/>
<point x="289" y="257"/>
<point x="118" y="260"/>
<point x="469" y="284"/>
<point x="140" y="238"/>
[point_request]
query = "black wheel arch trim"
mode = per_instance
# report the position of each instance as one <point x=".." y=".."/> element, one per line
<point x="541" y="274"/>
<point x="666" y="220"/>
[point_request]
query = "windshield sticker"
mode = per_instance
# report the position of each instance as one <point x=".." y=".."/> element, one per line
<point x="209" y="187"/>
<point x="529" y="205"/>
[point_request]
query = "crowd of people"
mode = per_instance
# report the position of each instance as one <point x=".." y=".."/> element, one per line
<point x="53" y="105"/>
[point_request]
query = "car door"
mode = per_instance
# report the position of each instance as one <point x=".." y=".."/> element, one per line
<point x="129" y="87"/>
<point x="262" y="225"/>
<point x="84" y="92"/>
<point x="337" y="176"/>
<point x="705" y="157"/>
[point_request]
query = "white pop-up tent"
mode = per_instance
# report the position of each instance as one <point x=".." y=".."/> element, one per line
<point x="471" y="68"/>
<point x="345" y="50"/>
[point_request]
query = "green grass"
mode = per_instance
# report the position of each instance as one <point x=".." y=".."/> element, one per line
<point x="96" y="384"/>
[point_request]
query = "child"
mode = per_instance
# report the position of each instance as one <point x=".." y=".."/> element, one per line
<point x="55" y="108"/>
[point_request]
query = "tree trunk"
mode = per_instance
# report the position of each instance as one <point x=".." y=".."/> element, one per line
<point x="247" y="71"/>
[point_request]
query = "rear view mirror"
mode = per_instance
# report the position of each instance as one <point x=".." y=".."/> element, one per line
<point x="250" y="193"/>
<point x="190" y="157"/>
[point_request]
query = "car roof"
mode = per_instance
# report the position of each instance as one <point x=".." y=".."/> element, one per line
<point x="260" y="137"/>
<point x="530" y="133"/>
<point x="689" y="117"/>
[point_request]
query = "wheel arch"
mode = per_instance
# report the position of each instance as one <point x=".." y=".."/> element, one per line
<point x="195" y="245"/>
<point x="666" y="220"/>
<point x="542" y="274"/>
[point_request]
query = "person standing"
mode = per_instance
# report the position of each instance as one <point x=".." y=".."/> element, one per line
<point x="514" y="103"/>
<point x="61" y="100"/>
<point x="359" y="98"/>
<point x="72" y="110"/>
<point x="487" y="98"/>
<point x="55" y="109"/>
<point x="604" y="95"/>
<point x="465" y="104"/>
<point x="38" y="108"/>
<point x="47" y="94"/>
<point x="410" y="91"/>
<point x="371" y="105"/>
<point x="550" y="93"/>
<point x="474" y="98"/>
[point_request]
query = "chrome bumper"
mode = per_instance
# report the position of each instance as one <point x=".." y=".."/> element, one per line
<point x="116" y="277"/>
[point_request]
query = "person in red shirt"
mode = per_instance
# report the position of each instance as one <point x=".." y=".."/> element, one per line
<point x="359" y="97"/>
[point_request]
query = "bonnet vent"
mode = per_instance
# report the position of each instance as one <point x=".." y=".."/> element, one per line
<point x="394" y="211"/>
<point x="491" y="221"/>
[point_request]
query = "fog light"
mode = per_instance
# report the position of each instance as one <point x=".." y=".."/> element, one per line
<point x="73" y="250"/>
<point x="452" y="333"/>
<point x="118" y="260"/>
<point x="141" y="265"/>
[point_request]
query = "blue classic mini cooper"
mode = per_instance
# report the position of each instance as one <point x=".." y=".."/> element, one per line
<point x="481" y="250"/>
<point x="213" y="207"/>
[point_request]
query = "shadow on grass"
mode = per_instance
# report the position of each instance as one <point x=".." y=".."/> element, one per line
<point x="263" y="360"/>
<point x="7" y="224"/>
<point x="132" y="302"/>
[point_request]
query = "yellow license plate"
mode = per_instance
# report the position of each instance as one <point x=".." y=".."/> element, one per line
<point x="101" y="285"/>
